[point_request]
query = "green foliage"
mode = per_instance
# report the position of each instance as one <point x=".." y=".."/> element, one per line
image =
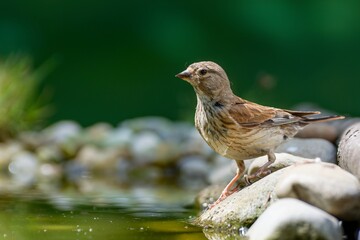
<point x="21" y="107"/>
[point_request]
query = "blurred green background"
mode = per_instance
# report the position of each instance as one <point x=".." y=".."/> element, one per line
<point x="117" y="59"/>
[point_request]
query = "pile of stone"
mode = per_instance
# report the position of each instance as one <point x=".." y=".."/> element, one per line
<point x="144" y="151"/>
<point x="313" y="191"/>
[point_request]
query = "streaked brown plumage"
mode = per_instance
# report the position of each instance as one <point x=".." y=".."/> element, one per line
<point x="236" y="128"/>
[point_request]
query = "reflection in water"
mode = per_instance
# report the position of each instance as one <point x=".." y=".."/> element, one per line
<point x="130" y="216"/>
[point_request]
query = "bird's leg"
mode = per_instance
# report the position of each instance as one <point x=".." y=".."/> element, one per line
<point x="228" y="189"/>
<point x="263" y="170"/>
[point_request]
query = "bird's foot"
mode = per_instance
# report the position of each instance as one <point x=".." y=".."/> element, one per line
<point x="249" y="179"/>
<point x="222" y="197"/>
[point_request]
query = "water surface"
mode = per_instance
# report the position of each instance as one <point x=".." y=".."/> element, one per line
<point x="114" y="216"/>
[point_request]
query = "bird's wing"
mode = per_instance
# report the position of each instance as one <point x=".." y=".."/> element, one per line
<point x="301" y="113"/>
<point x="248" y="114"/>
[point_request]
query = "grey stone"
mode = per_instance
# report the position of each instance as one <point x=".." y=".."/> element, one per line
<point x="282" y="160"/>
<point x="149" y="147"/>
<point x="97" y="132"/>
<point x="8" y="150"/>
<point x="23" y="168"/>
<point x="320" y="131"/>
<point x="119" y="137"/>
<point x="349" y="150"/>
<point x="243" y="207"/>
<point x="49" y="153"/>
<point x="193" y="171"/>
<point x="95" y="158"/>
<point x="289" y="219"/>
<point x="222" y="173"/>
<point x="194" y="144"/>
<point x="310" y="148"/>
<point x="323" y="185"/>
<point x="62" y="131"/>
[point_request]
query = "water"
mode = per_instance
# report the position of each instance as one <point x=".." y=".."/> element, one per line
<point x="134" y="215"/>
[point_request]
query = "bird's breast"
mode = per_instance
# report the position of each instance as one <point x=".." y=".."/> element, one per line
<point x="230" y="139"/>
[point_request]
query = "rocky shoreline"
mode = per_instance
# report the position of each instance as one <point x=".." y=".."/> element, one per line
<point x="307" y="195"/>
<point x="313" y="190"/>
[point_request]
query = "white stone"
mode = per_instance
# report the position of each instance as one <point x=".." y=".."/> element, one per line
<point x="294" y="219"/>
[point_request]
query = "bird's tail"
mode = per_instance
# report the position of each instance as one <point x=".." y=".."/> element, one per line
<point x="322" y="119"/>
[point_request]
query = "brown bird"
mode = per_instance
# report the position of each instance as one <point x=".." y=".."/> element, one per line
<point x="236" y="128"/>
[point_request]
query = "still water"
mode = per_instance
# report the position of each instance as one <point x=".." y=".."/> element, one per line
<point x="135" y="214"/>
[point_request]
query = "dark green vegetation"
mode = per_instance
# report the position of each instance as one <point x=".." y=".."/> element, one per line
<point x="117" y="59"/>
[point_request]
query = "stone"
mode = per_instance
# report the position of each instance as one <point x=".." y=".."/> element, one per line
<point x="349" y="150"/>
<point x="62" y="131"/>
<point x="148" y="147"/>
<point x="282" y="160"/>
<point x="49" y="153"/>
<point x="97" y="132"/>
<point x="194" y="144"/>
<point x="95" y="158"/>
<point x="119" y="137"/>
<point x="323" y="185"/>
<point x="224" y="169"/>
<point x="309" y="148"/>
<point x="208" y="195"/>
<point x="241" y="208"/>
<point x="222" y="173"/>
<point x="319" y="130"/>
<point x="8" y="150"/>
<point x="193" y="170"/>
<point x="344" y="124"/>
<point x="289" y="219"/>
<point x="23" y="168"/>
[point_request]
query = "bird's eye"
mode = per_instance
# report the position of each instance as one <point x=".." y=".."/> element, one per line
<point x="203" y="71"/>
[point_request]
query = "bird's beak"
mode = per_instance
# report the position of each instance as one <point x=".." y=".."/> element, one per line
<point x="185" y="75"/>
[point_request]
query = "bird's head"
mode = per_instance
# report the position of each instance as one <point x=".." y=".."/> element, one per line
<point x="208" y="79"/>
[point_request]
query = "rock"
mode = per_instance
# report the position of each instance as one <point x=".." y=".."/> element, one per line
<point x="242" y="208"/>
<point x="349" y="150"/>
<point x="222" y="173"/>
<point x="75" y="171"/>
<point x="23" y="168"/>
<point x="319" y="130"/>
<point x="119" y="137"/>
<point x="49" y="153"/>
<point x="62" y="131"/>
<point x="194" y="144"/>
<point x="208" y="195"/>
<point x="97" y="132"/>
<point x="224" y="169"/>
<point x="95" y="158"/>
<point x="289" y="219"/>
<point x="31" y="139"/>
<point x="7" y="151"/>
<point x="49" y="177"/>
<point x="344" y="124"/>
<point x="148" y="147"/>
<point x="310" y="148"/>
<point x="151" y="124"/>
<point x="282" y="160"/>
<point x="323" y="185"/>
<point x="193" y="170"/>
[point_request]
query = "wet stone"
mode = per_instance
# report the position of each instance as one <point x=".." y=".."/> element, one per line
<point x="323" y="185"/>
<point x="310" y="148"/>
<point x="294" y="219"/>
<point x="23" y="168"/>
<point x="349" y="150"/>
<point x="62" y="131"/>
